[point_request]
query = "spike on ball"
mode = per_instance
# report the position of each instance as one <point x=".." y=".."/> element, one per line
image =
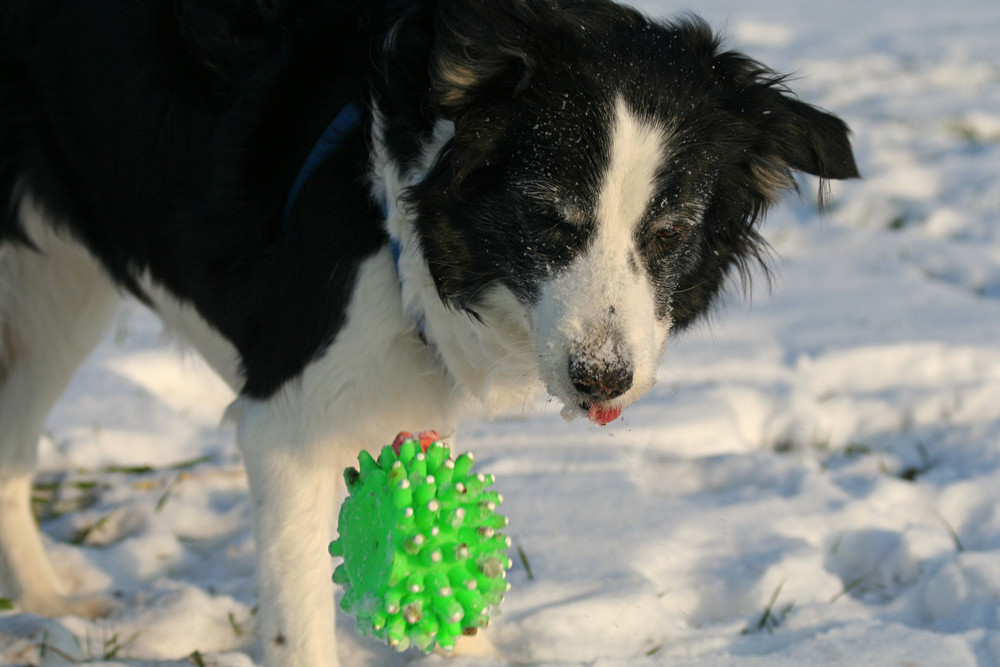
<point x="423" y="561"/>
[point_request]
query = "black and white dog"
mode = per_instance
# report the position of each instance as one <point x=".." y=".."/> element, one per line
<point x="367" y="216"/>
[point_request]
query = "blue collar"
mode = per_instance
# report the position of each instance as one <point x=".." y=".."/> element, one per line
<point x="397" y="252"/>
<point x="333" y="137"/>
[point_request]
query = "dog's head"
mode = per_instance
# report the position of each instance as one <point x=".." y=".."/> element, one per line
<point x="609" y="171"/>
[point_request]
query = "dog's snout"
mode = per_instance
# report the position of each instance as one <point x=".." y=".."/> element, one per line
<point x="600" y="379"/>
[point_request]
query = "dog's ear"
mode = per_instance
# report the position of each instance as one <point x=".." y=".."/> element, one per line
<point x="806" y="138"/>
<point x="486" y="50"/>
<point x="792" y="135"/>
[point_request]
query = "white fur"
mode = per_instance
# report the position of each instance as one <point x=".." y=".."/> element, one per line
<point x="183" y="321"/>
<point x="375" y="380"/>
<point x="490" y="361"/>
<point x="599" y="292"/>
<point x="55" y="305"/>
<point x="378" y="378"/>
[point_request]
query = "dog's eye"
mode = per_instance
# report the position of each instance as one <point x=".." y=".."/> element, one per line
<point x="666" y="237"/>
<point x="558" y="229"/>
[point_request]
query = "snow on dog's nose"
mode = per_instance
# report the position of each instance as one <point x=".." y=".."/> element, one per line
<point x="600" y="380"/>
<point x="603" y="374"/>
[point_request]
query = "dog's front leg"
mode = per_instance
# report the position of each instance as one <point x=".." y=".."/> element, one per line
<point x="295" y="480"/>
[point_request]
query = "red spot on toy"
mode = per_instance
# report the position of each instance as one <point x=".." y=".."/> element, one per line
<point x="425" y="438"/>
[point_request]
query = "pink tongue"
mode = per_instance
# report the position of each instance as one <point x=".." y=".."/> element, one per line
<point x="601" y="415"/>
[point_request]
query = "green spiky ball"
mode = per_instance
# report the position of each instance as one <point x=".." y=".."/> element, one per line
<point x="423" y="562"/>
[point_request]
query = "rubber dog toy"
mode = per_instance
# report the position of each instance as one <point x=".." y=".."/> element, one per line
<point x="423" y="561"/>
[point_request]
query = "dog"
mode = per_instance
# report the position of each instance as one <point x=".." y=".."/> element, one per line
<point x="368" y="216"/>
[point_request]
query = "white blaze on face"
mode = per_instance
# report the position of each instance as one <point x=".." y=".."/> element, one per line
<point x="637" y="153"/>
<point x="604" y="302"/>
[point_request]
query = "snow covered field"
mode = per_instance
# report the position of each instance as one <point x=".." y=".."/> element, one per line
<point x="815" y="480"/>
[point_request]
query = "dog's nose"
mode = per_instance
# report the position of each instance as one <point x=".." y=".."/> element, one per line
<point x="600" y="379"/>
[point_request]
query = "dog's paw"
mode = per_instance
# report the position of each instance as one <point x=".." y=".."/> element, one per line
<point x="91" y="605"/>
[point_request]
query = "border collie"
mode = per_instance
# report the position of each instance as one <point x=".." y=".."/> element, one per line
<point x="368" y="216"/>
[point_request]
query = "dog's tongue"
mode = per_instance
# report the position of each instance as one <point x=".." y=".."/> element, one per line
<point x="604" y="414"/>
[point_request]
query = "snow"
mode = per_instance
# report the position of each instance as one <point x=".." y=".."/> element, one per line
<point x="814" y="480"/>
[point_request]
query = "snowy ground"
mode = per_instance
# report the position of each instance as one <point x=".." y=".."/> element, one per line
<point x="815" y="480"/>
